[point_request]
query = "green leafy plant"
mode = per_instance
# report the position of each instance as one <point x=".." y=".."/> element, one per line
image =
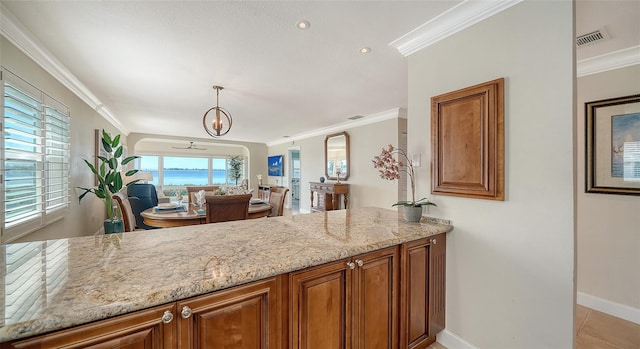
<point x="108" y="172"/>
<point x="235" y="163"/>
<point x="390" y="168"/>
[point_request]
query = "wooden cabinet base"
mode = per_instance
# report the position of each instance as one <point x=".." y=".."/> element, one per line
<point x="390" y="298"/>
<point x="140" y="330"/>
<point x="422" y="297"/>
<point x="241" y="317"/>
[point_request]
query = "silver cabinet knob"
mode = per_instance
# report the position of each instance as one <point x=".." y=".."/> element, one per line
<point x="351" y="265"/>
<point x="359" y="262"/>
<point x="167" y="317"/>
<point x="186" y="312"/>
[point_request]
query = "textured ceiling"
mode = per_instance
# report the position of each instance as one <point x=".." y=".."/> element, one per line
<point x="153" y="64"/>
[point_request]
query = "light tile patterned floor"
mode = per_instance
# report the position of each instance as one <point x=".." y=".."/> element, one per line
<point x="596" y="330"/>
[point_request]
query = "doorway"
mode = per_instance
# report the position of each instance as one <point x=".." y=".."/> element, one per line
<point x="294" y="184"/>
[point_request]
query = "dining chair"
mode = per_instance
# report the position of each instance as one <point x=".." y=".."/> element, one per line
<point x="141" y="197"/>
<point x="192" y="190"/>
<point x="276" y="200"/>
<point x="223" y="208"/>
<point x="128" y="217"/>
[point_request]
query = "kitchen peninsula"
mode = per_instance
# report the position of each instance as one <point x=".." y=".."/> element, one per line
<point x="275" y="271"/>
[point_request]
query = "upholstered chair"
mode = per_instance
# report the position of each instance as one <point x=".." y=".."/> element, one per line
<point x="276" y="200"/>
<point x="141" y="197"/>
<point x="223" y="208"/>
<point x="128" y="217"/>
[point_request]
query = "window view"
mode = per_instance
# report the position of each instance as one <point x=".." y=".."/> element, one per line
<point x="35" y="158"/>
<point x="172" y="174"/>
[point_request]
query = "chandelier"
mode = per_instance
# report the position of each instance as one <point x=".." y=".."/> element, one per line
<point x="220" y="121"/>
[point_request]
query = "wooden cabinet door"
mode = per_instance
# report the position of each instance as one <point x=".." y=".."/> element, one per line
<point x="422" y="297"/>
<point x="375" y="294"/>
<point x="320" y="301"/>
<point x="242" y="317"/>
<point x="140" y="330"/>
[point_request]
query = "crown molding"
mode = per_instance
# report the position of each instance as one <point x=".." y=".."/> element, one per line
<point x="457" y="18"/>
<point x="608" y="61"/>
<point x="18" y="35"/>
<point x="370" y="119"/>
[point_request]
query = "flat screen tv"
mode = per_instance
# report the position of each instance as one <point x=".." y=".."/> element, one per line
<point x="275" y="165"/>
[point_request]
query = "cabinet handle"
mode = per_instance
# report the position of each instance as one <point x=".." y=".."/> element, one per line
<point x="433" y="241"/>
<point x="359" y="262"/>
<point x="186" y="312"/>
<point x="167" y="317"/>
<point x="351" y="265"/>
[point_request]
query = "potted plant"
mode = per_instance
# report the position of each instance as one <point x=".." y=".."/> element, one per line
<point x="235" y="163"/>
<point x="390" y="168"/>
<point x="110" y="179"/>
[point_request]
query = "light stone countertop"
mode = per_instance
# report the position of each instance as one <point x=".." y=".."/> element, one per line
<point x="67" y="282"/>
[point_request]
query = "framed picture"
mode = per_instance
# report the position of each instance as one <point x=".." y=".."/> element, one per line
<point x="275" y="165"/>
<point x="613" y="146"/>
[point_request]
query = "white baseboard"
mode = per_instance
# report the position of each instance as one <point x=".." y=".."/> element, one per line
<point x="452" y="341"/>
<point x="608" y="307"/>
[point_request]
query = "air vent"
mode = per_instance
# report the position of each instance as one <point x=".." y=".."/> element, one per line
<point x="355" y="117"/>
<point x="592" y="38"/>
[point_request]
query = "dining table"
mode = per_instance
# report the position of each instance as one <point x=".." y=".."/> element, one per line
<point x="192" y="215"/>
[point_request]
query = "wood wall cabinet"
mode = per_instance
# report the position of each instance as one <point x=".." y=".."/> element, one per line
<point x="146" y="329"/>
<point x="328" y="196"/>
<point x="346" y="304"/>
<point x="422" y="291"/>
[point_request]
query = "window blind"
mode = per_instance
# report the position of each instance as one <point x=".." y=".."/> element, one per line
<point x="35" y="158"/>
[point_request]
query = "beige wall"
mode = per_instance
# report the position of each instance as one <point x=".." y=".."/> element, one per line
<point x="366" y="187"/>
<point x="608" y="240"/>
<point x="510" y="264"/>
<point x="85" y="218"/>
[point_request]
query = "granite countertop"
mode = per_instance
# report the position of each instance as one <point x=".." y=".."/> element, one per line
<point x="55" y="284"/>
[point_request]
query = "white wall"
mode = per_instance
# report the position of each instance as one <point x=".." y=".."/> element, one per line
<point x="510" y="269"/>
<point x="85" y="218"/>
<point x="366" y="187"/>
<point x="608" y="240"/>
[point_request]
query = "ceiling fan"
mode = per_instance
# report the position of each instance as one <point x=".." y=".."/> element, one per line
<point x="191" y="147"/>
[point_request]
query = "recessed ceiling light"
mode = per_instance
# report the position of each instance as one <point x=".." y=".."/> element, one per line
<point x="303" y="25"/>
<point x="365" y="50"/>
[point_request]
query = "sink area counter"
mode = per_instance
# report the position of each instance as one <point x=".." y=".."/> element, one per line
<point x="56" y="284"/>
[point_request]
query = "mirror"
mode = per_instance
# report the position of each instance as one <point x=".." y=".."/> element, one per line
<point x="336" y="156"/>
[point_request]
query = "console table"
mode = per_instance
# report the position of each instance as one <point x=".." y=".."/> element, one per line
<point x="329" y="196"/>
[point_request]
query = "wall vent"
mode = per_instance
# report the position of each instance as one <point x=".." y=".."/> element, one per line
<point x="592" y="38"/>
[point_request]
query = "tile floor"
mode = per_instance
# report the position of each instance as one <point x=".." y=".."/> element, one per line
<point x="596" y="330"/>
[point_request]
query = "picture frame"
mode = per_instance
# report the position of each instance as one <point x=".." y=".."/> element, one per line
<point x="612" y="149"/>
<point x="275" y="165"/>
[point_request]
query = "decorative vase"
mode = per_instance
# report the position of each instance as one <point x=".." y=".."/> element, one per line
<point x="115" y="226"/>
<point x="321" y="179"/>
<point x="412" y="213"/>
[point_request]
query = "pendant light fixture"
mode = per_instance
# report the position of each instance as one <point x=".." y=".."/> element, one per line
<point x="219" y="123"/>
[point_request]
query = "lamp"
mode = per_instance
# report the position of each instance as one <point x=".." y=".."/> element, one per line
<point x="145" y="177"/>
<point x="221" y="123"/>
